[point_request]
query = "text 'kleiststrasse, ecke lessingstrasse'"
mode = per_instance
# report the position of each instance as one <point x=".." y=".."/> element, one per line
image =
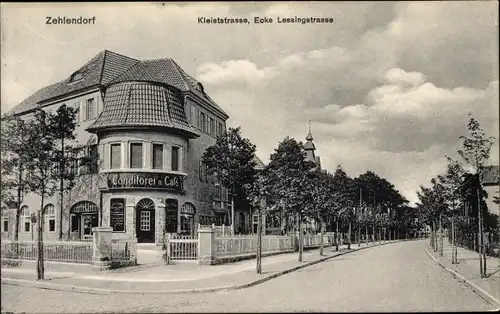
<point x="265" y="20"/>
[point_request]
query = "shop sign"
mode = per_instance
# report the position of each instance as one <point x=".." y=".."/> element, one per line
<point x="146" y="180"/>
<point x="84" y="207"/>
<point x="117" y="214"/>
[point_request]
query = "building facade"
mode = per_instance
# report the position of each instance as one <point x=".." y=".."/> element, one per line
<point x="490" y="179"/>
<point x="144" y="125"/>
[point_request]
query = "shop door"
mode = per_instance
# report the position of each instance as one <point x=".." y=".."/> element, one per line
<point x="88" y="221"/>
<point x="145" y="221"/>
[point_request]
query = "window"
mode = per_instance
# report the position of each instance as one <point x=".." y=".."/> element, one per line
<point x="157" y="156"/>
<point x="135" y="155"/>
<point x="76" y="106"/>
<point x="116" y="156"/>
<point x="26" y="218"/>
<point x="202" y="172"/>
<point x="82" y="161"/>
<point x="90" y="109"/>
<point x="83" y="110"/>
<point x="175" y="158"/>
<point x="218" y="191"/>
<point x="76" y="77"/>
<point x="212" y="127"/>
<point x="221" y="129"/>
<point x="50" y="217"/>
<point x="93" y="156"/>
<point x="74" y="223"/>
<point x="5" y="220"/>
<point x="202" y="122"/>
<point x="193" y="114"/>
<point x="145" y="220"/>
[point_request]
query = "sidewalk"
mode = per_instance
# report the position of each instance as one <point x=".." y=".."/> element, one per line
<point x="468" y="269"/>
<point x="177" y="278"/>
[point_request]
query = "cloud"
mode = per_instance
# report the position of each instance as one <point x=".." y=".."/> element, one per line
<point x="401" y="77"/>
<point x="234" y="72"/>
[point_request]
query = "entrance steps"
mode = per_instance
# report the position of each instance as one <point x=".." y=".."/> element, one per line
<point x="149" y="254"/>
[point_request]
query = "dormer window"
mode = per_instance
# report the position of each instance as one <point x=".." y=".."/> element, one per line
<point x="199" y="87"/>
<point x="76" y="77"/>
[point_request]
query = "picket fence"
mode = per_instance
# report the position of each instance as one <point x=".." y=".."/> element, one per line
<point x="179" y="247"/>
<point x="186" y="248"/>
<point x="56" y="251"/>
<point x="123" y="251"/>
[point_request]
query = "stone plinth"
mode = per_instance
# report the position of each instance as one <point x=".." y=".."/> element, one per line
<point x="102" y="244"/>
<point x="206" y="246"/>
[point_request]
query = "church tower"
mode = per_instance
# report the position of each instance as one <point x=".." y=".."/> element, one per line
<point x="310" y="148"/>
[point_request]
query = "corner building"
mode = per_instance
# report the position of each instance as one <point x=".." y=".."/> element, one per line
<point x="145" y="126"/>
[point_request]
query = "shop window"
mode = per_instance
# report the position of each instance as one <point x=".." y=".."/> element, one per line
<point x="74" y="223"/>
<point x="50" y="217"/>
<point x="116" y="156"/>
<point x="157" y="156"/>
<point x="175" y="158"/>
<point x="26" y="218"/>
<point x="135" y="155"/>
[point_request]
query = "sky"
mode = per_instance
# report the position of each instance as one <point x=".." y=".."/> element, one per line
<point x="387" y="86"/>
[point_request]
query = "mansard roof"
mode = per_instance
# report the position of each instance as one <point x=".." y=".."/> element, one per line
<point x="108" y="68"/>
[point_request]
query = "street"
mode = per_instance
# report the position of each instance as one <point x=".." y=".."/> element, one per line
<point x="394" y="277"/>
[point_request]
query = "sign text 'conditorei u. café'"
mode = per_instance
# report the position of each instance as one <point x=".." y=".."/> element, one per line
<point x="146" y="180"/>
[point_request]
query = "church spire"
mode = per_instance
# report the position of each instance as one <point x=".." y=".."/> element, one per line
<point x="309" y="145"/>
<point x="309" y="135"/>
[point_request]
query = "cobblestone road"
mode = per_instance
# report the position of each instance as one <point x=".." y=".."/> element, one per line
<point x="395" y="277"/>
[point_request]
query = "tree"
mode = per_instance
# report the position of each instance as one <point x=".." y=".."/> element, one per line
<point x="231" y="161"/>
<point x="40" y="173"/>
<point x="15" y="139"/>
<point x="62" y="127"/>
<point x="476" y="151"/>
<point x="432" y="203"/>
<point x="288" y="176"/>
<point x="452" y="181"/>
<point x="344" y="199"/>
<point x="257" y="193"/>
<point x="322" y="205"/>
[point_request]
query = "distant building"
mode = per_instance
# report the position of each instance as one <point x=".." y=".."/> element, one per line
<point x="490" y="181"/>
<point x="145" y="124"/>
<point x="309" y="147"/>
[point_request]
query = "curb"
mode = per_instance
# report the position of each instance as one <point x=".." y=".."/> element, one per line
<point x="101" y="291"/>
<point x="480" y="291"/>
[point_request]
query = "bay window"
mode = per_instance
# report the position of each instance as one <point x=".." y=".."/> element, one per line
<point x="136" y="155"/>
<point x="157" y="156"/>
<point x="175" y="158"/>
<point x="116" y="156"/>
